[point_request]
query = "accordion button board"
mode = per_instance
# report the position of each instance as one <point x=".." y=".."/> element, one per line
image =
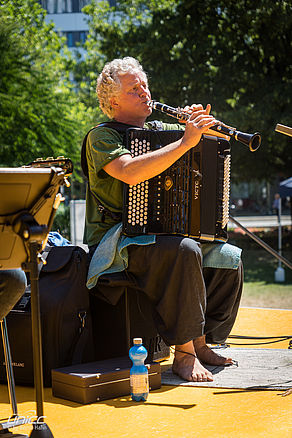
<point x="190" y="198"/>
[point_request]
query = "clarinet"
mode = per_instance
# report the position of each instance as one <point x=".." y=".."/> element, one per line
<point x="253" y="141"/>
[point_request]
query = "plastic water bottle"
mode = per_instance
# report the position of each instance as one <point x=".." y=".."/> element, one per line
<point x="139" y="372"/>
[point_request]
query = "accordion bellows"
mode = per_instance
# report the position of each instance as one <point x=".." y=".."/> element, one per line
<point x="190" y="198"/>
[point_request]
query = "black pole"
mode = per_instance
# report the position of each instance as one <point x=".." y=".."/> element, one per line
<point x="40" y="428"/>
<point x="36" y="329"/>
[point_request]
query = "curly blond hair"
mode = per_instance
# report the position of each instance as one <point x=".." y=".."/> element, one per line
<point x="108" y="83"/>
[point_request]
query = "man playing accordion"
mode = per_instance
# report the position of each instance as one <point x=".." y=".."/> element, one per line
<point x="195" y="301"/>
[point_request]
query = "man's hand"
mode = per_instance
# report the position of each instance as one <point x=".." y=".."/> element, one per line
<point x="199" y="122"/>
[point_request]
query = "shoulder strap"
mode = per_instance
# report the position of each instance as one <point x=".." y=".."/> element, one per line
<point x="84" y="165"/>
<point x="156" y="125"/>
<point x="121" y="128"/>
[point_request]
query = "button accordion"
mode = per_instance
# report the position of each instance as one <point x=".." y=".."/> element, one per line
<point x="190" y="198"/>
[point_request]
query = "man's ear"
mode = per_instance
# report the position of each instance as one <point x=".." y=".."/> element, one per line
<point x="114" y="102"/>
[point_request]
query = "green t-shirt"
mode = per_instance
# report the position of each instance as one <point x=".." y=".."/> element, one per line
<point x="104" y="145"/>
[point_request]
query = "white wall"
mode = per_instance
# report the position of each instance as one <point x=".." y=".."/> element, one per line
<point x="77" y="218"/>
<point x="68" y="22"/>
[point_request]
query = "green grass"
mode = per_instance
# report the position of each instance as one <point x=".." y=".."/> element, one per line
<point x="260" y="288"/>
<point x="262" y="294"/>
<point x="260" y="266"/>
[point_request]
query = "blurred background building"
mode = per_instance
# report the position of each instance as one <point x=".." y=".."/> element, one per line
<point x="69" y="20"/>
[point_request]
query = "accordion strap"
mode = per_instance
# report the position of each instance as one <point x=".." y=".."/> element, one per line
<point x="156" y="125"/>
<point x="121" y="128"/>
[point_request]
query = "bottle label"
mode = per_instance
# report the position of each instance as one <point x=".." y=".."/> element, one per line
<point x="139" y="383"/>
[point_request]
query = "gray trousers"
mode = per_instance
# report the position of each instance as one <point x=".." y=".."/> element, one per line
<point x="188" y="300"/>
<point x="12" y="287"/>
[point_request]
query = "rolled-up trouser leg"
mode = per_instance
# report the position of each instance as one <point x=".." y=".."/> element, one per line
<point x="224" y="288"/>
<point x="170" y="274"/>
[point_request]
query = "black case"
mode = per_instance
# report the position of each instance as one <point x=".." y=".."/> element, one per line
<point x="115" y="326"/>
<point x="65" y="318"/>
<point x="102" y="380"/>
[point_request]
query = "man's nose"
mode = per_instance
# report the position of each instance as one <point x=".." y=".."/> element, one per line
<point x="143" y="91"/>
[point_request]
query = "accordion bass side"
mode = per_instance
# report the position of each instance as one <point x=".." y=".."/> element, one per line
<point x="190" y="198"/>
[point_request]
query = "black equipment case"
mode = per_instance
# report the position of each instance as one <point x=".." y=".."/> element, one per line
<point x="96" y="381"/>
<point x="115" y="326"/>
<point x="65" y="318"/>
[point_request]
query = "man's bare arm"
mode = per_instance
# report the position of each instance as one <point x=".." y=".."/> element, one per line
<point x="133" y="170"/>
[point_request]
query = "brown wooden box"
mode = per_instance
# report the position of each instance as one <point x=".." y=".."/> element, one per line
<point x="102" y="380"/>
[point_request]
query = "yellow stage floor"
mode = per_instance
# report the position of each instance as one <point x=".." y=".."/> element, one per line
<point x="176" y="412"/>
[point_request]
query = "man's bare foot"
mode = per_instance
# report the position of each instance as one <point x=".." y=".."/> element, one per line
<point x="208" y="356"/>
<point x="188" y="367"/>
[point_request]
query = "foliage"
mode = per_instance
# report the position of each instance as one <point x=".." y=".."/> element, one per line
<point x="232" y="53"/>
<point x="40" y="113"/>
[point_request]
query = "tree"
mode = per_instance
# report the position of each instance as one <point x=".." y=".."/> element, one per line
<point x="234" y="54"/>
<point x="40" y="114"/>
